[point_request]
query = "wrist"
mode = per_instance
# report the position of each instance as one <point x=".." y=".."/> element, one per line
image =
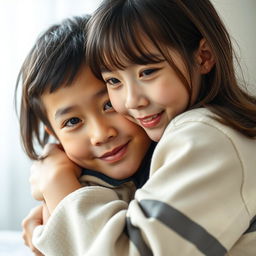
<point x="58" y="187"/>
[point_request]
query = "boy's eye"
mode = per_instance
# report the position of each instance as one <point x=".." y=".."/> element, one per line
<point x="108" y="106"/>
<point x="72" y="121"/>
<point x="148" y="72"/>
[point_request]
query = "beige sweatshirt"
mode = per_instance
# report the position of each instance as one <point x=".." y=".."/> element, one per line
<point x="200" y="199"/>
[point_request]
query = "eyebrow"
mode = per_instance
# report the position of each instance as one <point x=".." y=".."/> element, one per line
<point x="63" y="111"/>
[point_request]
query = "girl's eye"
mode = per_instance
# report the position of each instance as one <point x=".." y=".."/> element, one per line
<point x="108" y="106"/>
<point x="112" y="81"/>
<point x="72" y="122"/>
<point x="148" y="72"/>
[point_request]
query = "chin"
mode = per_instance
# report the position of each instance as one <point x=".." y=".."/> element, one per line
<point x="127" y="174"/>
<point x="155" y="135"/>
<point x="155" y="139"/>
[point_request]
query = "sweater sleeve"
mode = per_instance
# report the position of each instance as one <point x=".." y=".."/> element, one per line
<point x="89" y="221"/>
<point x="192" y="204"/>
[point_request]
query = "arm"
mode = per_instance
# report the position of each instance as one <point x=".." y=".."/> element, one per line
<point x="53" y="184"/>
<point x="188" y="199"/>
<point x="37" y="216"/>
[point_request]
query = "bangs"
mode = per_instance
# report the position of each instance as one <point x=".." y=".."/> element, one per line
<point x="127" y="40"/>
<point x="136" y="32"/>
<point x="126" y="46"/>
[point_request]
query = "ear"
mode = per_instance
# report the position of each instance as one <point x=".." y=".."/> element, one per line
<point x="204" y="57"/>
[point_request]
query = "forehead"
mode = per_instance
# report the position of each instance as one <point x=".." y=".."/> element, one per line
<point x="85" y="89"/>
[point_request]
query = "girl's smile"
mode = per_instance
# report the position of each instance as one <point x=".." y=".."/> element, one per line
<point x="150" y="121"/>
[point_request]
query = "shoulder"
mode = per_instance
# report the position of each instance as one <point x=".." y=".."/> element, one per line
<point x="199" y="115"/>
<point x="194" y="131"/>
<point x="194" y="123"/>
<point x="198" y="132"/>
<point x="202" y="122"/>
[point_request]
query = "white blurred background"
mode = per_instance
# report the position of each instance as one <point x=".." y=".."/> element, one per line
<point x="20" y="23"/>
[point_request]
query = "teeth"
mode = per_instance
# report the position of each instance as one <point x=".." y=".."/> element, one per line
<point x="150" y="118"/>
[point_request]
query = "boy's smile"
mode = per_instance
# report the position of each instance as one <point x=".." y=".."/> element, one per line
<point x="92" y="134"/>
<point x="116" y="154"/>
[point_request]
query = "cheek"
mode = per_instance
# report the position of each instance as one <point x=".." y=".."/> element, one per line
<point x="77" y="151"/>
<point x="171" y="95"/>
<point x="133" y="120"/>
<point x="161" y="97"/>
<point x="130" y="127"/>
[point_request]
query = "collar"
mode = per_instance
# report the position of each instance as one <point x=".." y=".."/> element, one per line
<point x="139" y="178"/>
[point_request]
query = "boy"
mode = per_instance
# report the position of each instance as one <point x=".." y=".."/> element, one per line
<point x="60" y="92"/>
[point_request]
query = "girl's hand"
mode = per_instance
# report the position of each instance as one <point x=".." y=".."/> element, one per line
<point x="32" y="220"/>
<point x="54" y="176"/>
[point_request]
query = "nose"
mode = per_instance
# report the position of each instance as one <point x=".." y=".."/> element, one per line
<point x="102" y="132"/>
<point x="135" y="97"/>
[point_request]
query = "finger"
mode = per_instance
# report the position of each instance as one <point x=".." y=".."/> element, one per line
<point x="37" y="195"/>
<point x="36" y="252"/>
<point x="24" y="238"/>
<point x="32" y="220"/>
<point x="60" y="147"/>
<point x="45" y="214"/>
<point x="49" y="147"/>
<point x="26" y="232"/>
<point x="46" y="151"/>
<point x="34" y="190"/>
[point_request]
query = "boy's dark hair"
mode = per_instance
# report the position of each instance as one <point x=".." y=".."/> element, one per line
<point x="53" y="62"/>
<point x="117" y="33"/>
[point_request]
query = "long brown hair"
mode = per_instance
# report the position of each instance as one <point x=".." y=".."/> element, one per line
<point x="117" y="30"/>
<point x="53" y="62"/>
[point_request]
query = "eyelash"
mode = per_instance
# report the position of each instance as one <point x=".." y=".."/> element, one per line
<point x="105" y="108"/>
<point x="149" y="70"/>
<point x="114" y="82"/>
<point x="110" y="108"/>
<point x="69" y="120"/>
<point x="110" y="81"/>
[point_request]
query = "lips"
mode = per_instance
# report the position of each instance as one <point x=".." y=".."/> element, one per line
<point x="151" y="121"/>
<point x="116" y="154"/>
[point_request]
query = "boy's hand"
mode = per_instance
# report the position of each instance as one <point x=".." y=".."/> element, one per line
<point x="54" y="162"/>
<point x="32" y="220"/>
<point x="54" y="176"/>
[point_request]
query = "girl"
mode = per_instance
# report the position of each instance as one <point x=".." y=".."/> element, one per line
<point x="60" y="92"/>
<point x="168" y="66"/>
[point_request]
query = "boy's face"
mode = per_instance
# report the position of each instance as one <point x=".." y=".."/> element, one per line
<point x="92" y="134"/>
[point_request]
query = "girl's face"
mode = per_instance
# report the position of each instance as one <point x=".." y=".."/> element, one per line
<point x="151" y="95"/>
<point x="92" y="134"/>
